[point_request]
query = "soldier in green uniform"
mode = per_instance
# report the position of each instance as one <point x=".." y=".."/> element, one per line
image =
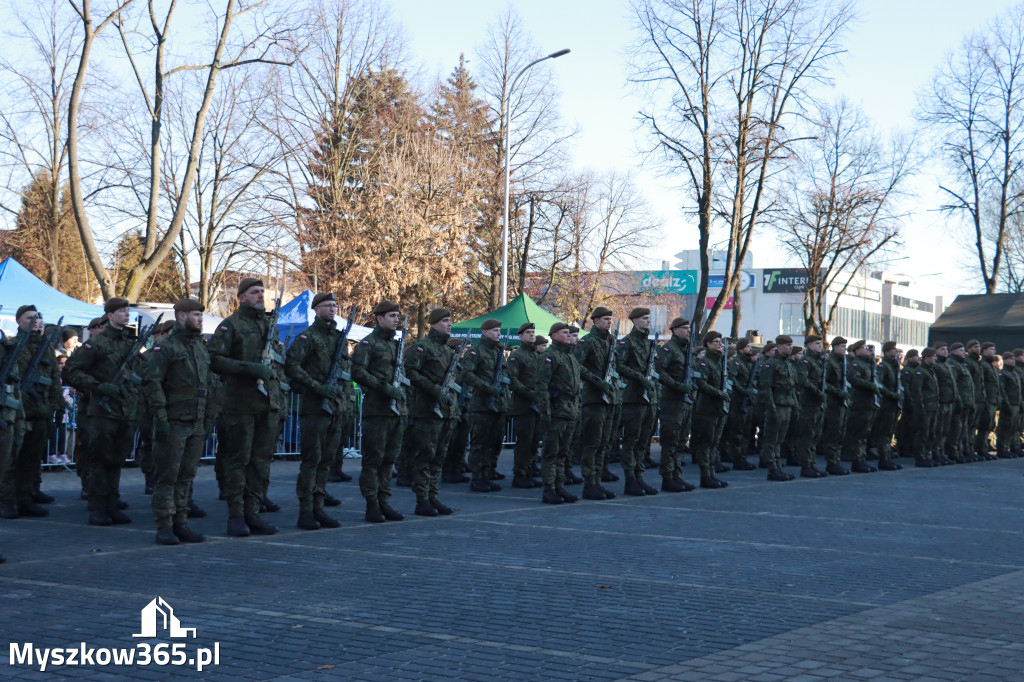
<point x="863" y="394"/>
<point x="11" y="412"/>
<point x="779" y="381"/>
<point x="639" y="401"/>
<point x="601" y="394"/>
<point x="1017" y="446"/>
<point x="987" y="412"/>
<point x="375" y="363"/>
<point x="810" y="406"/>
<point x="676" y="405"/>
<point x="740" y="424"/>
<point x="978" y="436"/>
<point x="433" y="407"/>
<point x="177" y="386"/>
<point x="958" y="443"/>
<point x="560" y="374"/>
<point x="325" y="402"/>
<point x="837" y="408"/>
<point x="1009" y="400"/>
<point x="890" y="399"/>
<point x="488" y="407"/>
<point x="250" y="420"/>
<point x="791" y="452"/>
<point x="524" y="374"/>
<point x="144" y="451"/>
<point x="575" y="450"/>
<point x="709" y="410"/>
<point x="455" y="466"/>
<point x="947" y="402"/>
<point x="96" y="325"/>
<point x="112" y="410"/>
<point x="761" y="398"/>
<point x="923" y="402"/>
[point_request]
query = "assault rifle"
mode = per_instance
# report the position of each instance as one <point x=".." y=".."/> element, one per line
<point x="337" y="374"/>
<point x="755" y="371"/>
<point x="448" y="384"/>
<point x="726" y="381"/>
<point x="875" y="380"/>
<point x="688" y="373"/>
<point x="400" y="379"/>
<point x="126" y="371"/>
<point x="499" y="379"/>
<point x="846" y="384"/>
<point x="824" y="379"/>
<point x="899" y="384"/>
<point x="649" y="374"/>
<point x="32" y="375"/>
<point x="611" y="372"/>
<point x="269" y="356"/>
<point x="7" y="375"/>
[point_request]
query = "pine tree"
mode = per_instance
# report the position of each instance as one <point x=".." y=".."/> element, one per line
<point x="165" y="286"/>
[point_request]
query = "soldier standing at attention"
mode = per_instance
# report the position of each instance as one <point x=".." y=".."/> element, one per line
<point x="144" y="451"/>
<point x="761" y="399"/>
<point x="978" y="435"/>
<point x="862" y="408"/>
<point x="959" y="445"/>
<point x="250" y="421"/>
<point x="177" y="386"/>
<point x="11" y="412"/>
<point x="1018" y="366"/>
<point x="600" y="397"/>
<point x="488" y="408"/>
<point x="837" y="408"/>
<point x="884" y="428"/>
<point x="112" y="414"/>
<point x="811" y="406"/>
<point x="561" y="374"/>
<point x="96" y="325"/>
<point x="324" y="405"/>
<point x="524" y="366"/>
<point x="709" y="411"/>
<point x="1009" y="399"/>
<point x="374" y="363"/>
<point x="947" y="402"/>
<point x="676" y="412"/>
<point x="924" y="401"/>
<point x="433" y="408"/>
<point x="780" y="385"/>
<point x="639" y="401"/>
<point x="740" y="424"/>
<point x="987" y="420"/>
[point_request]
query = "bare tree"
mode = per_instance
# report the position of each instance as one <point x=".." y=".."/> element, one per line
<point x="838" y="206"/>
<point x="975" y="106"/>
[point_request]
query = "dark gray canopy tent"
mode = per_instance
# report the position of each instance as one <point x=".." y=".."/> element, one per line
<point x="998" y="318"/>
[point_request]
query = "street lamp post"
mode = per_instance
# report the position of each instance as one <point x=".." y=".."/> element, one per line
<point x="504" y="224"/>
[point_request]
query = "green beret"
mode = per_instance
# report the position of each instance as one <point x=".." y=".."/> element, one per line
<point x="385" y="307"/>
<point x="678" y="322"/>
<point x="710" y="336"/>
<point x="987" y="344"/>
<point x="889" y="345"/>
<point x="557" y="327"/>
<point x="188" y="305"/>
<point x="115" y="303"/>
<point x="783" y="339"/>
<point x="490" y="324"/>
<point x="600" y="311"/>
<point x="248" y="283"/>
<point x="912" y="353"/>
<point x="811" y="338"/>
<point x="438" y="314"/>
<point x="855" y="346"/>
<point x="638" y="312"/>
<point x="321" y="297"/>
<point x="742" y="343"/>
<point x="939" y="344"/>
<point x="928" y="352"/>
<point x="953" y="347"/>
<point x="97" y="322"/>
<point x="526" y="326"/>
<point x="541" y="340"/>
<point x="838" y="341"/>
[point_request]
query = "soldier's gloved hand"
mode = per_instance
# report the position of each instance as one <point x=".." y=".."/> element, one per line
<point x="444" y="398"/>
<point x="259" y="370"/>
<point x="490" y="389"/>
<point x="394" y="392"/>
<point x="328" y="391"/>
<point x="844" y="395"/>
<point x="108" y="389"/>
<point x="538" y="397"/>
<point x="647" y="383"/>
<point x="605" y="386"/>
<point x="161" y="431"/>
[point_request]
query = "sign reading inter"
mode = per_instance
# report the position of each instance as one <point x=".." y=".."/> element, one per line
<point x="785" y="281"/>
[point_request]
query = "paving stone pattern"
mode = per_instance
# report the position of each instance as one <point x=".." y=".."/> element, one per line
<point x="916" y="574"/>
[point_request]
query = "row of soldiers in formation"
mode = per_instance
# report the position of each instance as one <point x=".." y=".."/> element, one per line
<point x="583" y="393"/>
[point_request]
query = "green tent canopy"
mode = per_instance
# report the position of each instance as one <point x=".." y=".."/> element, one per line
<point x="512" y="315"/>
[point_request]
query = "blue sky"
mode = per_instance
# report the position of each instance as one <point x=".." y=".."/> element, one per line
<point x="893" y="51"/>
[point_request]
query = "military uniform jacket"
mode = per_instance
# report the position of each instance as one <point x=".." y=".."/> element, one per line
<point x="740" y="368"/>
<point x="11" y="405"/>
<point x="563" y="380"/>
<point x="308" y="365"/>
<point x="1018" y="370"/>
<point x="947" y="380"/>
<point x="426" y="362"/>
<point x="670" y="363"/>
<point x="836" y="392"/>
<point x="993" y="395"/>
<point x="929" y="386"/>
<point x="95" y="362"/>
<point x="808" y="371"/>
<point x="780" y="382"/>
<point x="1009" y="390"/>
<point x="178" y="383"/>
<point x="712" y="401"/>
<point x="891" y="380"/>
<point x="862" y="389"/>
<point x="240" y="339"/>
<point x="964" y="382"/>
<point x="592" y="354"/>
<point x="478" y="376"/>
<point x="50" y="398"/>
<point x="913" y="378"/>
<point x="974" y="365"/>
<point x="633" y="352"/>
<point x="524" y="369"/>
<point x="373" y="368"/>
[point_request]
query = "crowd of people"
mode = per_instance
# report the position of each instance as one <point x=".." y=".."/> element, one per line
<point x="427" y="403"/>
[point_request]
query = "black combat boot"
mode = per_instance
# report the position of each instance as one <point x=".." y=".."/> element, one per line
<point x="258" y="526"/>
<point x="741" y="464"/>
<point x="480" y="485"/>
<point x="520" y="482"/>
<point x="720" y="468"/>
<point x="551" y="497"/>
<point x="237" y="527"/>
<point x="671" y="485"/>
<point x="425" y="508"/>
<point x="165" y="535"/>
<point x="331" y="501"/>
<point x="270" y="505"/>
<point x="888" y="465"/>
<point x="925" y="463"/>
<point x="812" y="472"/>
<point x="307" y="521"/>
<point x="373" y="512"/>
<point x="98" y="517"/>
<point x="30" y="508"/>
<point x="710" y="482"/>
<point x="862" y="467"/>
<point x="186" y="534"/>
<point x="608" y="494"/>
<point x="593" y="492"/>
<point x="454" y="477"/>
<point x="687" y="486"/>
<point x="646" y="487"/>
<point x="495" y="475"/>
<point x="8" y="510"/>
<point x="390" y="513"/>
<point x="121" y="504"/>
<point x="442" y="509"/>
<point x="195" y="511"/>
<point x="607" y="476"/>
<point x="338" y="476"/>
<point x="42" y="498"/>
<point x="566" y="495"/>
<point x="571" y="478"/>
<point x="779" y="475"/>
<point x="836" y="469"/>
<point x="326" y="521"/>
<point x="118" y="516"/>
<point x="633" y="487"/>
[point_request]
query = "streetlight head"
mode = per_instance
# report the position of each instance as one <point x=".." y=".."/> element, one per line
<point x="553" y="55"/>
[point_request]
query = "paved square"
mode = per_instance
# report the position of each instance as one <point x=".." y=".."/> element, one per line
<point x="916" y="574"/>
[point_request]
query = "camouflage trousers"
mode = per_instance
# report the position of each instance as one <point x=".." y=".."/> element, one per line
<point x="430" y="444"/>
<point x="984" y="422"/>
<point x="637" y="428"/>
<point x="487" y="431"/>
<point x="144" y="453"/>
<point x="247" y="443"/>
<point x="407" y="452"/>
<point x="1007" y="431"/>
<point x="675" y="427"/>
<point x="833" y="431"/>
<point x="882" y="432"/>
<point x="596" y="428"/>
<point x="6" y="452"/>
<point x="955" y="435"/>
<point x="739" y="427"/>
<point x="941" y="432"/>
<point x="967" y="430"/>
<point x="704" y="439"/>
<point x="382" y="441"/>
<point x="458" y="444"/>
<point x="776" y="426"/>
<point x="26" y="461"/>
<point x="320" y="436"/>
<point x="858" y="427"/>
<point x="175" y="461"/>
<point x="528" y="435"/>
<point x="919" y="432"/>
<point x="110" y="442"/>
<point x="557" y="451"/>
<point x="809" y="423"/>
